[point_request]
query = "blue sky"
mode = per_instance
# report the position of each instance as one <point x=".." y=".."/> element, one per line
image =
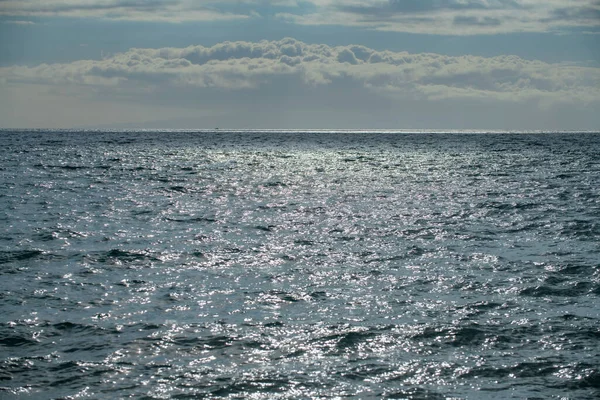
<point x="460" y="64"/>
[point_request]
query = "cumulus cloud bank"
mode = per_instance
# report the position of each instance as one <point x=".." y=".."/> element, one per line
<point x="292" y="77"/>
<point x="455" y="17"/>
<point x="233" y="66"/>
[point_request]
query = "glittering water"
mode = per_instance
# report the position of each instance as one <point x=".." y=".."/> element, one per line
<point x="272" y="265"/>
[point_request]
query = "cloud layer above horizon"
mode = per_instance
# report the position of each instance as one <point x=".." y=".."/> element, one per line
<point x="244" y="78"/>
<point x="245" y="65"/>
<point x="454" y="17"/>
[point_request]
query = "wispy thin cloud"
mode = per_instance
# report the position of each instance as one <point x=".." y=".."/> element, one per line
<point x="445" y="17"/>
<point x="455" y="17"/>
<point x="132" y="10"/>
<point x="18" y="22"/>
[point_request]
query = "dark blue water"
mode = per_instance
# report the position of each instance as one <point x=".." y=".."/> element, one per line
<point x="297" y="265"/>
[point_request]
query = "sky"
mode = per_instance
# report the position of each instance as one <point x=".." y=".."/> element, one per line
<point x="331" y="64"/>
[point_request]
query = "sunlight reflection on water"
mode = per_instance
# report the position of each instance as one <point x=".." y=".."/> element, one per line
<point x="285" y="265"/>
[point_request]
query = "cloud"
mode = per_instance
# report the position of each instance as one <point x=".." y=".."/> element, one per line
<point x="247" y="65"/>
<point x="391" y="7"/>
<point x="455" y="17"/>
<point x="447" y="17"/>
<point x="172" y="11"/>
<point x="584" y="15"/>
<point x="475" y="21"/>
<point x="292" y="75"/>
<point x="18" y="22"/>
<point x="134" y="10"/>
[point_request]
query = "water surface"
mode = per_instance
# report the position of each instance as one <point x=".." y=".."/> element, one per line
<point x="298" y="265"/>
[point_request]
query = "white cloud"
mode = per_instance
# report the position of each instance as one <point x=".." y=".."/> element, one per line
<point x="147" y="10"/>
<point x="453" y="17"/>
<point x="243" y="65"/>
<point x="244" y="75"/>
<point x="18" y="22"/>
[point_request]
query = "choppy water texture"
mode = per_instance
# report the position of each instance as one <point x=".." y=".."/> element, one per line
<point x="299" y="265"/>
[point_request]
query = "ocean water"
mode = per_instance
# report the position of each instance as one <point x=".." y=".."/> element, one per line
<point x="299" y="265"/>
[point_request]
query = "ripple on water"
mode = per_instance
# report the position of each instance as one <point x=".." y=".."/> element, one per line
<point x="299" y="265"/>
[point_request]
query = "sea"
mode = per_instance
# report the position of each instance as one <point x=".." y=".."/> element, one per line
<point x="214" y="264"/>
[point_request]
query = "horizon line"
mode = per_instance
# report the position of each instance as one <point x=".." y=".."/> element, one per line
<point x="299" y="130"/>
